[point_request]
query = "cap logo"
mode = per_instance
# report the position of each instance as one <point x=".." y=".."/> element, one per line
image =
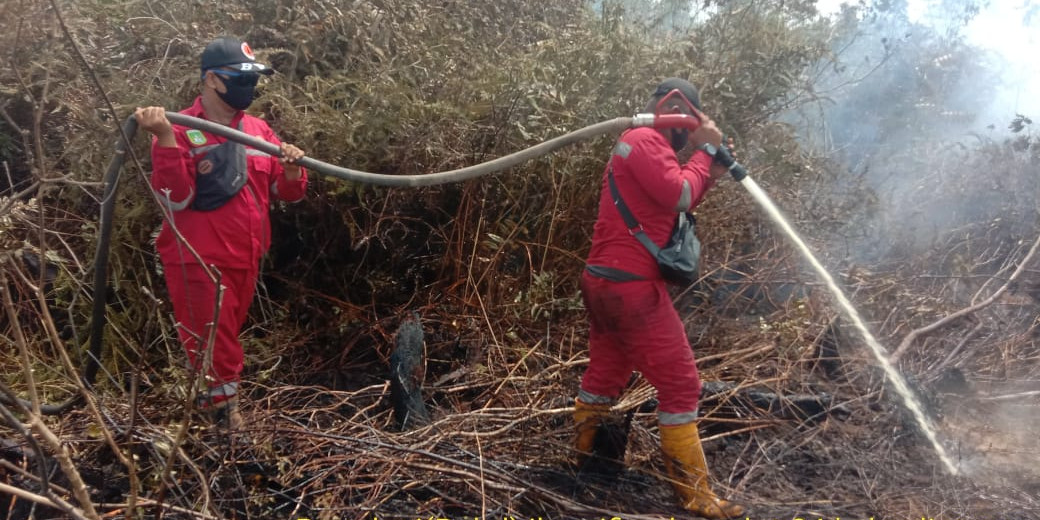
<point x="248" y="51"/>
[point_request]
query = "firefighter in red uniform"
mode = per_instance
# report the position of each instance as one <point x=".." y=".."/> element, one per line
<point x="216" y="195"/>
<point x="632" y="322"/>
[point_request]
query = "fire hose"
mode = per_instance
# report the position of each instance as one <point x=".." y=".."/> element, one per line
<point x="129" y="129"/>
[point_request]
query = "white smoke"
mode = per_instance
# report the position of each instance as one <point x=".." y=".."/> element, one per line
<point x="1008" y="28"/>
<point x="1007" y="31"/>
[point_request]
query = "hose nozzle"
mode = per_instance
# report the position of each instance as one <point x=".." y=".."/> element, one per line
<point x="725" y="158"/>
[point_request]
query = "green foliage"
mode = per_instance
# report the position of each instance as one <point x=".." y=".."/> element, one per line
<point x="756" y="54"/>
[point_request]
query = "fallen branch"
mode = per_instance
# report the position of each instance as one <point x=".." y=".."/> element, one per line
<point x="55" y="502"/>
<point x="914" y="334"/>
<point x="790" y="407"/>
<point x="145" y="502"/>
<point x="1009" y="397"/>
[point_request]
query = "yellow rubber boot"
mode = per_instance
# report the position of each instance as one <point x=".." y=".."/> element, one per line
<point x="684" y="460"/>
<point x="587" y="420"/>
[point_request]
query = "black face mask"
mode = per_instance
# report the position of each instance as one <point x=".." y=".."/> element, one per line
<point x="240" y="90"/>
<point x="680" y="138"/>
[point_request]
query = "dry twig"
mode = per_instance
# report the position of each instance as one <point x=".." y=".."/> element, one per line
<point x="904" y="345"/>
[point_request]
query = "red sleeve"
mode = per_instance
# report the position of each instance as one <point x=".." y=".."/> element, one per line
<point x="173" y="178"/>
<point x="657" y="170"/>
<point x="282" y="188"/>
<point x="697" y="172"/>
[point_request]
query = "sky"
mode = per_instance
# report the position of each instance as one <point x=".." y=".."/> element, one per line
<point x="1008" y="28"/>
<point x="1001" y="28"/>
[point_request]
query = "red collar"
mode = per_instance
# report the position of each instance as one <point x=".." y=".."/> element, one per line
<point x="196" y="110"/>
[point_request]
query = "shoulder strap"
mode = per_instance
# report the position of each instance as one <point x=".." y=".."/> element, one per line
<point x="634" y="227"/>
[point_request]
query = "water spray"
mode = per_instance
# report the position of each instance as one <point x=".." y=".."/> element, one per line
<point x="724" y="157"/>
<point x="911" y="402"/>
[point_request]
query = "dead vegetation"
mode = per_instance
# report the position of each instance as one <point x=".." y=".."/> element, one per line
<point x="491" y="267"/>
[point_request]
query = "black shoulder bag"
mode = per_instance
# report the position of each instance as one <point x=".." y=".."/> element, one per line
<point x="220" y="175"/>
<point x="679" y="258"/>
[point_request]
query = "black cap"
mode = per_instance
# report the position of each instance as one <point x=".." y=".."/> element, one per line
<point x="232" y="53"/>
<point x="684" y="87"/>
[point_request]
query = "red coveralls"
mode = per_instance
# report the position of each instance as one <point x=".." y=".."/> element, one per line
<point x="632" y="322"/>
<point x="232" y="238"/>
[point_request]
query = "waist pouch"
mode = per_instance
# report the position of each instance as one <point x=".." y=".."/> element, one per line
<point x="679" y="259"/>
<point x="220" y="175"/>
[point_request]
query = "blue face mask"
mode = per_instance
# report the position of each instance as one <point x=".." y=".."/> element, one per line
<point x="241" y="88"/>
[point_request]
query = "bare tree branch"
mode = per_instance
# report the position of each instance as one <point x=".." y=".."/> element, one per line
<point x="54" y="502"/>
<point x="914" y="334"/>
